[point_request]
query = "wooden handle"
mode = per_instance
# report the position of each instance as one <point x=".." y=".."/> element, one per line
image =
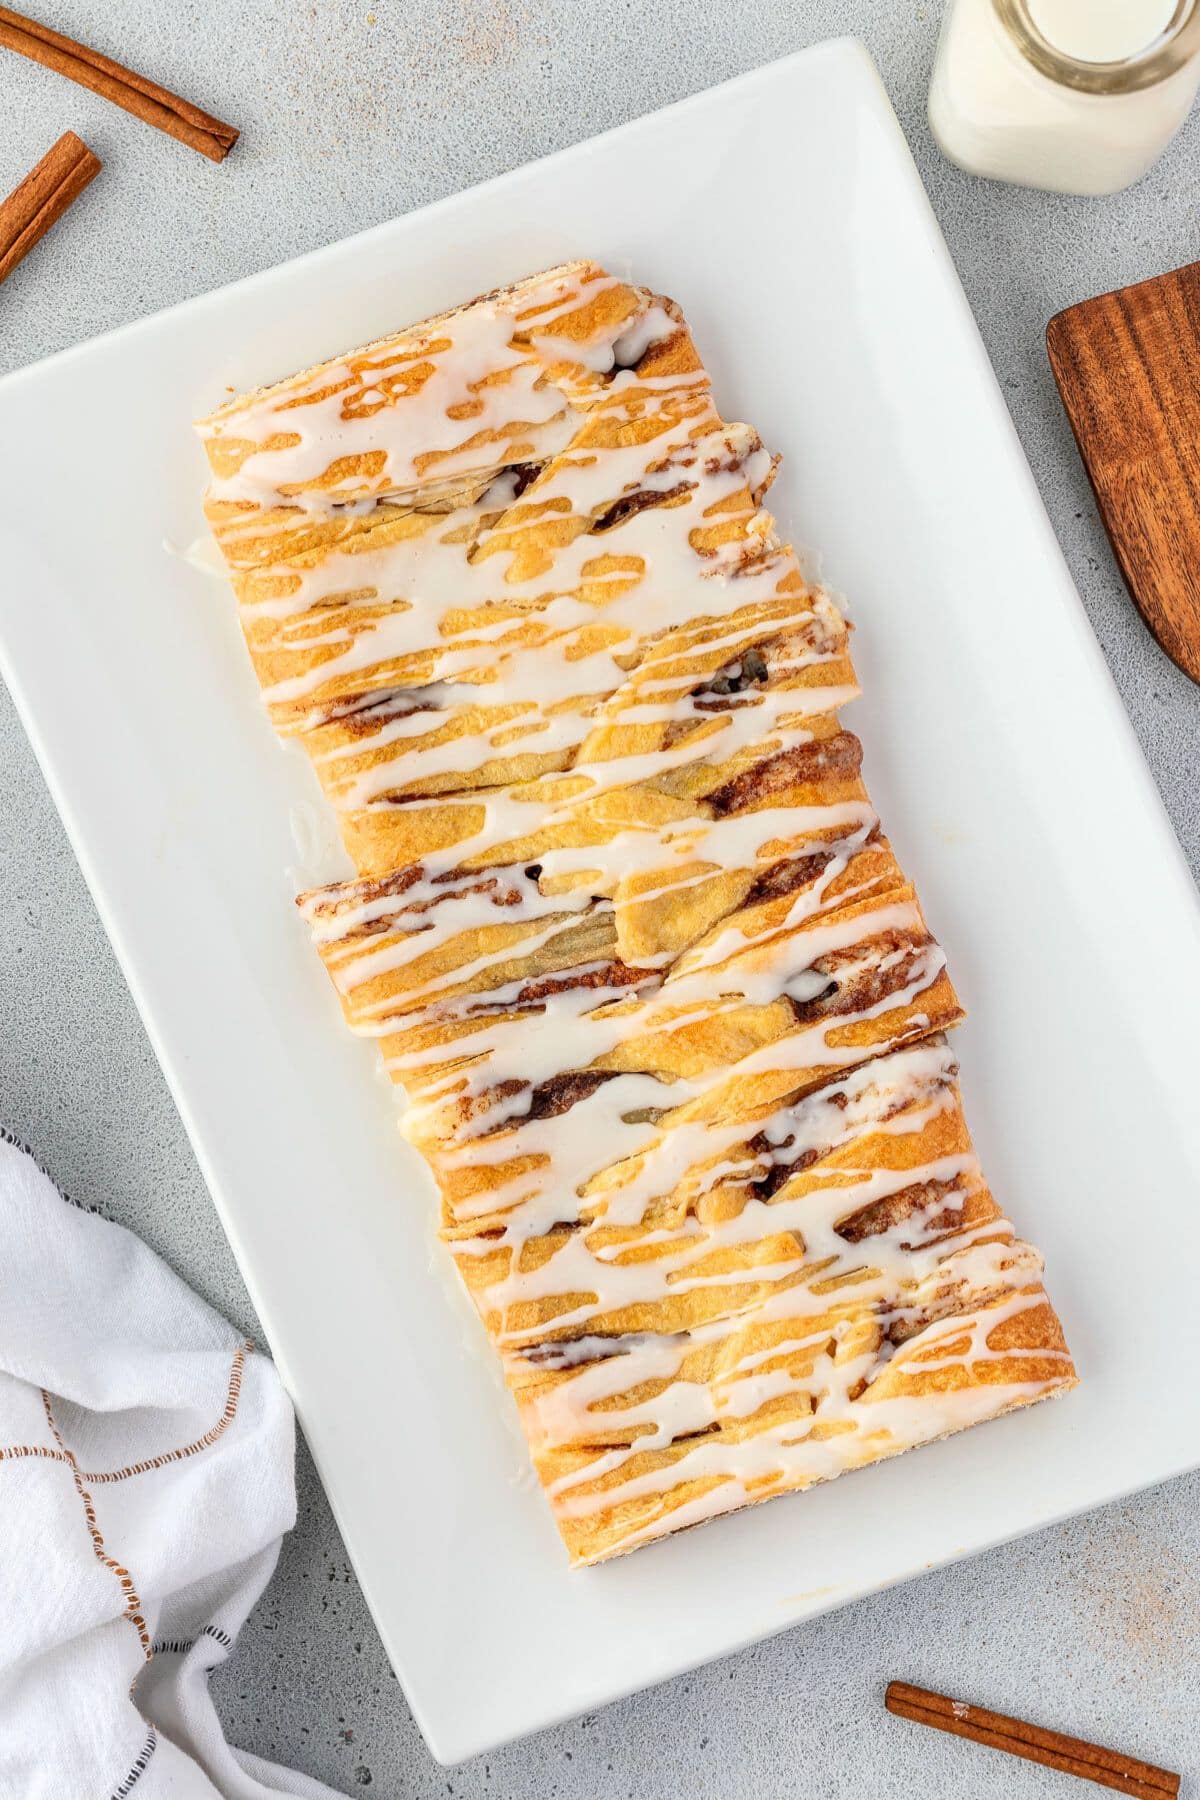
<point x="1128" y="368"/>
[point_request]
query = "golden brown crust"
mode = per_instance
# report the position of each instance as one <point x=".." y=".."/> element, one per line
<point x="666" y="1010"/>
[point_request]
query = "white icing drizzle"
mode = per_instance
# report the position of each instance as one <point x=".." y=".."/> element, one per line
<point x="667" y="1014"/>
<point x="435" y="404"/>
<point x="201" y="554"/>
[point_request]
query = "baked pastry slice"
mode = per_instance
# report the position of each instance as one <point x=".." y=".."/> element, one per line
<point x="830" y="1290"/>
<point x="665" y="1009"/>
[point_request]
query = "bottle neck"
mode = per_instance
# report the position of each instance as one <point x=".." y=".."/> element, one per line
<point x="1156" y="61"/>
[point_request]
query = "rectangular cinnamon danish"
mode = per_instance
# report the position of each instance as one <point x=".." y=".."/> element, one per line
<point x="666" y="1012"/>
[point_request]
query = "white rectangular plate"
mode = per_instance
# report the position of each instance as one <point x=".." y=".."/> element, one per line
<point x="784" y="212"/>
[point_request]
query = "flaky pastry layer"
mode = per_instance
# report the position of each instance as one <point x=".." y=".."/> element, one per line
<point x="667" y="1013"/>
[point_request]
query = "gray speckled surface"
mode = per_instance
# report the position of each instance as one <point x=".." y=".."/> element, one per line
<point x="353" y="113"/>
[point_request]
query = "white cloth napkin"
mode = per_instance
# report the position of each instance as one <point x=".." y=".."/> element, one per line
<point x="146" y="1478"/>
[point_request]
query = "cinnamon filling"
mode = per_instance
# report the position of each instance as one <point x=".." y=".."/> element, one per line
<point x="597" y="975"/>
<point x="523" y="475"/>
<point x="749" y="670"/>
<point x="785" y="878"/>
<point x="882" y="1215"/>
<point x="630" y="504"/>
<point x="838" y="757"/>
<point x="562" y="1092"/>
<point x="868" y="987"/>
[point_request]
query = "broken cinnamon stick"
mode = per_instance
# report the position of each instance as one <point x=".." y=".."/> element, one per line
<point x="145" y="99"/>
<point x="1108" y="1768"/>
<point x="43" y="197"/>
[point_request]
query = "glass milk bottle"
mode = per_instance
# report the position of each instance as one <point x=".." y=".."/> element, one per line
<point x="1082" y="96"/>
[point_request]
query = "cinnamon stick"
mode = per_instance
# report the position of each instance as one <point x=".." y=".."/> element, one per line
<point x="43" y="197"/>
<point x="145" y="99"/>
<point x="1108" y="1768"/>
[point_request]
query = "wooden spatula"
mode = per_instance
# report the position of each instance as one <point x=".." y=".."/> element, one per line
<point x="1128" y="368"/>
